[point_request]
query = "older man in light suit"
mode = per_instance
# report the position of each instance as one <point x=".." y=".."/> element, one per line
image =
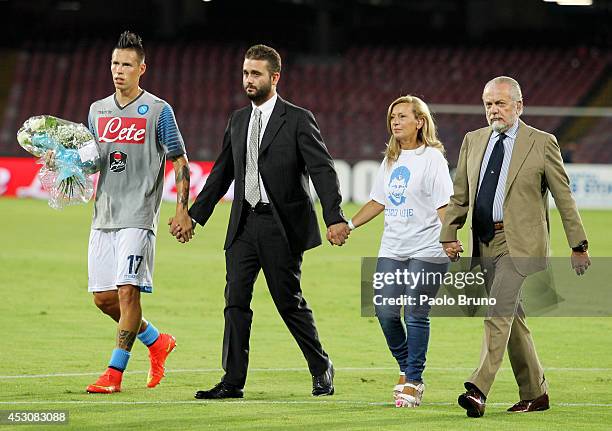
<point x="503" y="177"/>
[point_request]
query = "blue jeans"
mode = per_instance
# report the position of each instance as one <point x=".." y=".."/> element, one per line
<point x="408" y="344"/>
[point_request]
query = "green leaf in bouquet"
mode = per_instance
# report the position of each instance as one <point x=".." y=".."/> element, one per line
<point x="50" y="122"/>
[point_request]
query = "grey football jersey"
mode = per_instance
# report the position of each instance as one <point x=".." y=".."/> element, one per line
<point x="133" y="142"/>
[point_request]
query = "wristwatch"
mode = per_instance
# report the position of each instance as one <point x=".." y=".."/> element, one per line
<point x="582" y="247"/>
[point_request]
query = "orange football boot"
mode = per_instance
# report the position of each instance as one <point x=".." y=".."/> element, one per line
<point x="107" y="383"/>
<point x="158" y="352"/>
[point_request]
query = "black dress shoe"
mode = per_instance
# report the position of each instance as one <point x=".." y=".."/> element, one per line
<point x="535" y="405"/>
<point x="474" y="402"/>
<point x="324" y="384"/>
<point x="220" y="391"/>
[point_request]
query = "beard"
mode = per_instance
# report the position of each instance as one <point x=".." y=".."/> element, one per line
<point x="502" y="126"/>
<point x="499" y="126"/>
<point x="261" y="93"/>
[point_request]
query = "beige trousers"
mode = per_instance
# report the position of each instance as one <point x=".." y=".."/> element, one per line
<point x="505" y="326"/>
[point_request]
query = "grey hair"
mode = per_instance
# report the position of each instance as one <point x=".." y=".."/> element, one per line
<point x="515" y="88"/>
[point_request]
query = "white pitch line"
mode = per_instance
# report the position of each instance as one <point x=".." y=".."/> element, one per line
<point x="272" y="402"/>
<point x="273" y="370"/>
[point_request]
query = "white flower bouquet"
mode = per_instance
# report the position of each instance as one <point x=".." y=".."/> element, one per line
<point x="68" y="154"/>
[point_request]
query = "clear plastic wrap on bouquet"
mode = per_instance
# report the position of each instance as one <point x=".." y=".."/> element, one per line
<point x="69" y="156"/>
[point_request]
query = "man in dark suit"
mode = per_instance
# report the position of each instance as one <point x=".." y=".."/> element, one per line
<point x="270" y="148"/>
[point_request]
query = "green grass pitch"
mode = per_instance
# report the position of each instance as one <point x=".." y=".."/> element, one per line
<point x="51" y="329"/>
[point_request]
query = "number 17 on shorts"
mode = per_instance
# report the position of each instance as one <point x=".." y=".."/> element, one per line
<point x="135" y="262"/>
<point x="121" y="256"/>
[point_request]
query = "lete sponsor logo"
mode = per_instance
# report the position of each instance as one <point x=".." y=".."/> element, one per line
<point x="122" y="130"/>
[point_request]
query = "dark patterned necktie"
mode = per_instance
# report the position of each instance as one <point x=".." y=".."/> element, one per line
<point x="483" y="210"/>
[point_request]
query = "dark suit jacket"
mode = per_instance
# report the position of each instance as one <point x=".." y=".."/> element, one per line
<point x="291" y="149"/>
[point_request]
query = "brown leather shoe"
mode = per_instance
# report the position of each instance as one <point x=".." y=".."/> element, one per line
<point x="473" y="402"/>
<point x="524" y="406"/>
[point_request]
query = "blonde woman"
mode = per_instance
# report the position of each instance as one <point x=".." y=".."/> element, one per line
<point x="413" y="187"/>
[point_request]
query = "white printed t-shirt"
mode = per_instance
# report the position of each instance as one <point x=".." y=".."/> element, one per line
<point x="412" y="189"/>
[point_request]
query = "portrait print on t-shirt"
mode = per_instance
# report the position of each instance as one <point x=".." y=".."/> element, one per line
<point x="398" y="183"/>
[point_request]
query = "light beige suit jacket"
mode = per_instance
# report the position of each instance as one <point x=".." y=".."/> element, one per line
<point x="536" y="167"/>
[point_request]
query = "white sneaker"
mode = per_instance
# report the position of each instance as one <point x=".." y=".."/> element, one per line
<point x="411" y="395"/>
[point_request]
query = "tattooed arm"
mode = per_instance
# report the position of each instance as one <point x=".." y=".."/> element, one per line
<point x="181" y="224"/>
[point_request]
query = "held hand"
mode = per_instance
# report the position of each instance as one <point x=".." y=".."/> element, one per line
<point x="328" y="235"/>
<point x="580" y="261"/>
<point x="181" y="227"/>
<point x="338" y="233"/>
<point x="453" y="249"/>
<point x="175" y="228"/>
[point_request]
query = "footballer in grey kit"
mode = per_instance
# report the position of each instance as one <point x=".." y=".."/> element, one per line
<point x="135" y="132"/>
<point x="133" y="141"/>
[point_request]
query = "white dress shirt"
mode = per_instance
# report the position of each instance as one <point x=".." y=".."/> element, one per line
<point x="266" y="109"/>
